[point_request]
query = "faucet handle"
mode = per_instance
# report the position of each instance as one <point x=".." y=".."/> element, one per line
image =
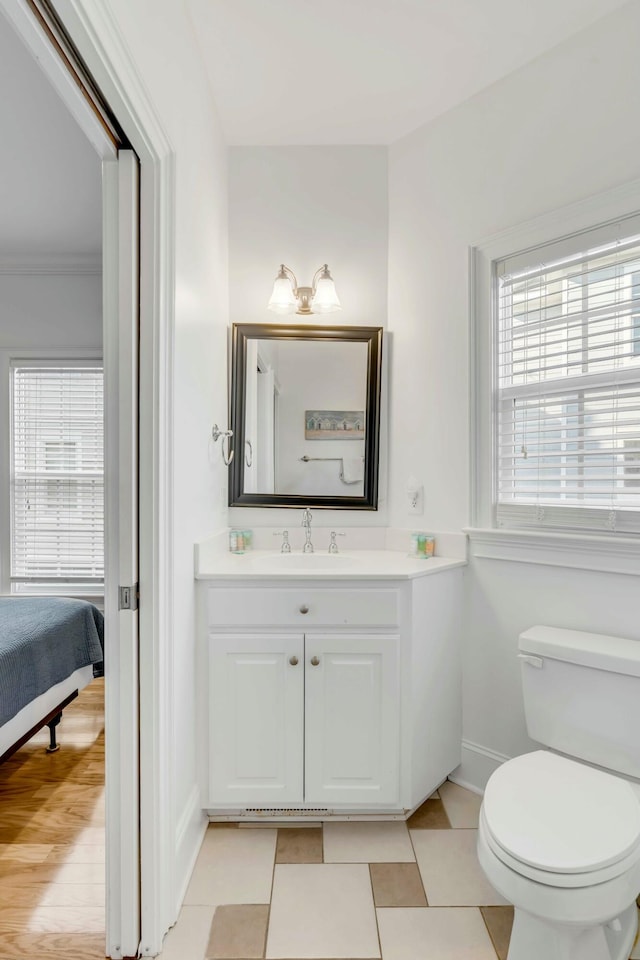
<point x="286" y="546"/>
<point x="333" y="546"/>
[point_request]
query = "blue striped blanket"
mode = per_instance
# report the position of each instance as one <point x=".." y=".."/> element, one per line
<point x="42" y="641"/>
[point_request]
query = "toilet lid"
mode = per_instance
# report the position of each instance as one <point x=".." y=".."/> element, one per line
<point x="561" y="816"/>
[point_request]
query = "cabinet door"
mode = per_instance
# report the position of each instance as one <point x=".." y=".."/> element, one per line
<point x="352" y="719"/>
<point x="256" y="720"/>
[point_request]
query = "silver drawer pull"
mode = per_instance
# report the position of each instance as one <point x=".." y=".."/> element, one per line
<point x="293" y="661"/>
<point x="304" y="608"/>
<point x="315" y="661"/>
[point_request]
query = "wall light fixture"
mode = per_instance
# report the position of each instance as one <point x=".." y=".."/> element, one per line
<point x="288" y="297"/>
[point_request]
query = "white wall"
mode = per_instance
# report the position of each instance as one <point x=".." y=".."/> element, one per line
<point x="40" y="312"/>
<point x="305" y="206"/>
<point x="558" y="130"/>
<point x="504" y="599"/>
<point x="163" y="49"/>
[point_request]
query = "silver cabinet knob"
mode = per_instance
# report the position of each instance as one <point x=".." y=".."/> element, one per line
<point x="304" y="608"/>
<point x="293" y="661"/>
<point x="315" y="661"/>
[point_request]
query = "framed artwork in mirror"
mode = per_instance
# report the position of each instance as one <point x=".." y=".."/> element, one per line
<point x="334" y="424"/>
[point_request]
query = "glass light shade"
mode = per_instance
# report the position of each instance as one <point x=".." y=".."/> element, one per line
<point x="282" y="299"/>
<point x="325" y="299"/>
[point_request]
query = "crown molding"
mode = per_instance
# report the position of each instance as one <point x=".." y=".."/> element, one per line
<point x="52" y="264"/>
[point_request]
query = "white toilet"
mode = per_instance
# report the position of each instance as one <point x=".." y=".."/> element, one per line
<point x="560" y="838"/>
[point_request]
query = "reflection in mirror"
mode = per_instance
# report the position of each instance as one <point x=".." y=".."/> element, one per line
<point x="304" y="417"/>
<point x="305" y="414"/>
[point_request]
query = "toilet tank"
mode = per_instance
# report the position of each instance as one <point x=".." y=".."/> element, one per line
<point x="582" y="695"/>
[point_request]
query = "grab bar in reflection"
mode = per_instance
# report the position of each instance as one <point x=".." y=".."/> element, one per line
<point x="306" y="459"/>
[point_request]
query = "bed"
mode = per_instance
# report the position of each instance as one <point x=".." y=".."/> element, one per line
<point x="50" y="648"/>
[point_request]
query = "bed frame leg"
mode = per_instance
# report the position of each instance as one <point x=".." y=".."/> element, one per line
<point x="52" y="724"/>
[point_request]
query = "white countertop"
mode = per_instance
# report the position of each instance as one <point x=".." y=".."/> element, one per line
<point x="347" y="565"/>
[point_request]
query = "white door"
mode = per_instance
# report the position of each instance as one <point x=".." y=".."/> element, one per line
<point x="120" y="306"/>
<point x="351" y="719"/>
<point x="256" y="707"/>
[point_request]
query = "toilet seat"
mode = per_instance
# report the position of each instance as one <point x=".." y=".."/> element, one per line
<point x="558" y="880"/>
<point x="560" y="822"/>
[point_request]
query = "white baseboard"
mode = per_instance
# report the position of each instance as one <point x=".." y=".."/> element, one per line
<point x="478" y="763"/>
<point x="189" y="835"/>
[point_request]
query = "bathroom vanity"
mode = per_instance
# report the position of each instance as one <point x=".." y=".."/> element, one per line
<point x="329" y="685"/>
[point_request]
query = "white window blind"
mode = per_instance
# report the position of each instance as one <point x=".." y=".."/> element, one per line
<point x="57" y="473"/>
<point x="568" y="386"/>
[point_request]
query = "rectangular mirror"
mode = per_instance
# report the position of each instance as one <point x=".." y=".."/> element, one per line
<point x="305" y="415"/>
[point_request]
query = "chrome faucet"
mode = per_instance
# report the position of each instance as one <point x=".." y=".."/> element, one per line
<point x="286" y="546"/>
<point x="333" y="546"/>
<point x="306" y="523"/>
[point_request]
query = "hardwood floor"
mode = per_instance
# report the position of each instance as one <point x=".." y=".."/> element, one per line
<point x="52" y="840"/>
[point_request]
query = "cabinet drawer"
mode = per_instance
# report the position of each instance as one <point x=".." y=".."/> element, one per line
<point x="301" y="607"/>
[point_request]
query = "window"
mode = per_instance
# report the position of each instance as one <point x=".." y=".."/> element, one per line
<point x="57" y="474"/>
<point x="567" y="386"/>
<point x="635" y="313"/>
<point x="60" y="456"/>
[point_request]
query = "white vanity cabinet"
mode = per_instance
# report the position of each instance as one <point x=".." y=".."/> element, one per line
<point x="352" y="711"/>
<point x="303" y="719"/>
<point x="329" y="696"/>
<point x="256" y="727"/>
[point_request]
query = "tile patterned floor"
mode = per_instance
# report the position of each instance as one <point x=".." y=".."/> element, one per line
<point x="388" y="890"/>
<point x="398" y="891"/>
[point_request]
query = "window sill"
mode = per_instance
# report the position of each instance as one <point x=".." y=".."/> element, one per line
<point x="581" y="551"/>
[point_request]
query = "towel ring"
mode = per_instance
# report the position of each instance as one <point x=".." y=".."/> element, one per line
<point x="216" y="433"/>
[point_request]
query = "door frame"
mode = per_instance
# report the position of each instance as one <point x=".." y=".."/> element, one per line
<point x="97" y="37"/>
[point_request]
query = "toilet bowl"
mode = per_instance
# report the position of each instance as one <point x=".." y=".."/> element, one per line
<point x="561" y="841"/>
<point x="559" y="832"/>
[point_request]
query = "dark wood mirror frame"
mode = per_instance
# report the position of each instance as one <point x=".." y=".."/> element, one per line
<point x="372" y="336"/>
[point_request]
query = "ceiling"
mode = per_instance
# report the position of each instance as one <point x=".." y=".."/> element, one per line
<point x="281" y="72"/>
<point x="366" y="71"/>
<point x="50" y="183"/>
